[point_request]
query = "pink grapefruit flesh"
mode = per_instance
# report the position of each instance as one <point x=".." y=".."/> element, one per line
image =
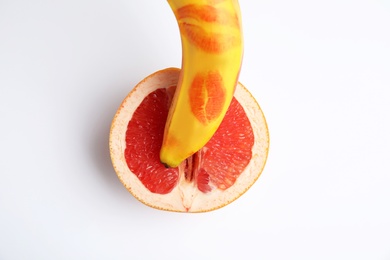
<point x="215" y="176"/>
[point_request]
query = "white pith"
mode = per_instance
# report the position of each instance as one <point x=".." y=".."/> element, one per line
<point x="185" y="197"/>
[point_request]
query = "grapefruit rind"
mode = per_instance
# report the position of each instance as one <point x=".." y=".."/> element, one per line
<point x="185" y="197"/>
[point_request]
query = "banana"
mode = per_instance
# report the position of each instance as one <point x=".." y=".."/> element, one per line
<point x="212" y="51"/>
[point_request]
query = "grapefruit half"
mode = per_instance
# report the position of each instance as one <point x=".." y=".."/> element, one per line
<point x="225" y="168"/>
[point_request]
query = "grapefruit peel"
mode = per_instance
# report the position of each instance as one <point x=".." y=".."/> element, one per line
<point x="185" y="196"/>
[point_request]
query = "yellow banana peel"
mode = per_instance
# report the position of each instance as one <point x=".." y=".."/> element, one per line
<point x="212" y="51"/>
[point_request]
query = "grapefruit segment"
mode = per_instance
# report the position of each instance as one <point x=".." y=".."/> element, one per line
<point x="213" y="177"/>
<point x="229" y="151"/>
<point x="143" y="143"/>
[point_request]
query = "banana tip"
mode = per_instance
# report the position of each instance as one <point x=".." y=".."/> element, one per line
<point x="165" y="164"/>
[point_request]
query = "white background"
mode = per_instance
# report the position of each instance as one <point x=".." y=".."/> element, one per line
<point x="319" y="69"/>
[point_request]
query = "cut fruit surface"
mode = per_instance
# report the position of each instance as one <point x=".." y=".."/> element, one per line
<point x="213" y="177"/>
